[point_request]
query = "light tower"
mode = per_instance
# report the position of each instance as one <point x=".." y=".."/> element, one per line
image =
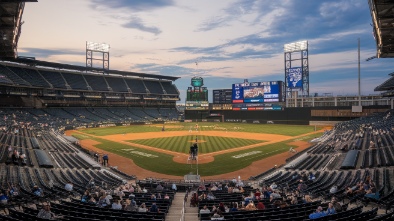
<point x="102" y="49"/>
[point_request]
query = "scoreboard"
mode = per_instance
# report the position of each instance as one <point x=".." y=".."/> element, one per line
<point x="197" y="105"/>
<point x="197" y="95"/>
<point x="258" y="92"/>
<point x="222" y="96"/>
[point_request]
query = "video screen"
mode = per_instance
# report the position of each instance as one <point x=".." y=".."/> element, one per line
<point x="257" y="92"/>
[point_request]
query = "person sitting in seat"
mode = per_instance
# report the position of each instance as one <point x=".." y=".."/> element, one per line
<point x="37" y="191"/>
<point x="116" y="205"/>
<point x="319" y="213"/>
<point x="154" y="208"/>
<point x="69" y="187"/>
<point x="205" y="210"/>
<point x="3" y="198"/>
<point x="235" y="207"/>
<point x="217" y="216"/>
<point x="330" y="209"/>
<point x="142" y="208"/>
<point x="260" y="206"/>
<point x="333" y="189"/>
<point x="45" y="213"/>
<point x="372" y="193"/>
<point x="336" y="204"/>
<point x="273" y="186"/>
<point x="250" y="206"/>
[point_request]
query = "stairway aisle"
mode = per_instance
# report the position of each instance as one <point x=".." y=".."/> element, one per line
<point x="174" y="213"/>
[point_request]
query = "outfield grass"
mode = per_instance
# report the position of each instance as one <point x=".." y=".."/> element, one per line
<point x="163" y="163"/>
<point x="289" y="130"/>
<point x="209" y="144"/>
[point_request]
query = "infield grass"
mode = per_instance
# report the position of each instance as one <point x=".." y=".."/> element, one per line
<point x="206" y="144"/>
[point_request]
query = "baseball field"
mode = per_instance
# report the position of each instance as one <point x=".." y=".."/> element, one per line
<point x="225" y="150"/>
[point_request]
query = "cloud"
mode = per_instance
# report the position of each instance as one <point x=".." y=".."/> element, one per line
<point x="233" y="12"/>
<point x="133" y="5"/>
<point x="45" y="53"/>
<point x="137" y="23"/>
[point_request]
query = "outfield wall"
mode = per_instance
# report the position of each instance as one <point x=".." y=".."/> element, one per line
<point x="294" y="116"/>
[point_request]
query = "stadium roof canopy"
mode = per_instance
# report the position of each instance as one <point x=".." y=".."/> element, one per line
<point x="382" y="13"/>
<point x="387" y="85"/>
<point x="33" y="62"/>
<point x="10" y="26"/>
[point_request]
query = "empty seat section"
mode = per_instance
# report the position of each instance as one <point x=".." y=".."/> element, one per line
<point x="4" y="79"/>
<point x="154" y="87"/>
<point x="12" y="76"/>
<point x="75" y="81"/>
<point x="54" y="78"/>
<point x="137" y="86"/>
<point x="117" y="84"/>
<point x="169" y="87"/>
<point x="96" y="82"/>
<point x="30" y="75"/>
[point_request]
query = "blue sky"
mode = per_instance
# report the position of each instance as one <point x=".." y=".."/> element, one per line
<point x="231" y="40"/>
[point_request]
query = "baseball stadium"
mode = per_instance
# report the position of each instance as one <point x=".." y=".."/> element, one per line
<point x="81" y="142"/>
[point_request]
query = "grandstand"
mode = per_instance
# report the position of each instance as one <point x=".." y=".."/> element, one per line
<point x="39" y="100"/>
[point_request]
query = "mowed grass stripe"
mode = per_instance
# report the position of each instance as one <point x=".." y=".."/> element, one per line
<point x="181" y="144"/>
<point x="282" y="129"/>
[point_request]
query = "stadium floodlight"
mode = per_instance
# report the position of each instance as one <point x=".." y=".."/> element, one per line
<point x="296" y="46"/>
<point x="94" y="46"/>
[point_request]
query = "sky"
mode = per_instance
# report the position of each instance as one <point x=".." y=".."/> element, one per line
<point x="231" y="40"/>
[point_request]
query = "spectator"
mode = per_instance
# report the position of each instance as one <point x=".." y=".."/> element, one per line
<point x="330" y="209"/>
<point x="105" y="160"/>
<point x="159" y="187"/>
<point x="45" y="213"/>
<point x="173" y="187"/>
<point x="250" y="206"/>
<point x="235" y="207"/>
<point x="131" y="206"/>
<point x="102" y="202"/>
<point x="333" y="189"/>
<point x="69" y="187"/>
<point x="260" y="206"/>
<point x="302" y="186"/>
<point x="3" y="198"/>
<point x="204" y="210"/>
<point x="154" y="208"/>
<point x="336" y="204"/>
<point x="273" y="186"/>
<point x="116" y="205"/>
<point x="319" y="213"/>
<point x="311" y="176"/>
<point x="142" y="208"/>
<point x="37" y="191"/>
<point x="217" y="216"/>
<point x="85" y="197"/>
<point x="221" y="207"/>
<point x="257" y="195"/>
